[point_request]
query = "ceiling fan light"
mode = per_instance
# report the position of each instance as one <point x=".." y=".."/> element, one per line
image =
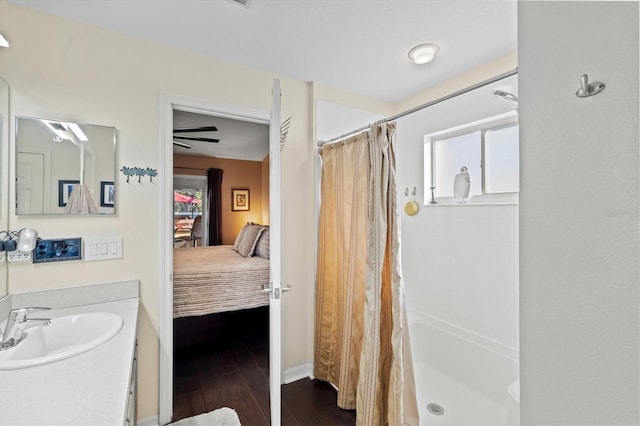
<point x="423" y="53"/>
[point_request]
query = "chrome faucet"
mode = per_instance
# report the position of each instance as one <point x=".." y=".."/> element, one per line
<point x="17" y="323"/>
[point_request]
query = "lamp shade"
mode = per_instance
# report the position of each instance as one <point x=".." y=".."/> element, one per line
<point x="27" y="239"/>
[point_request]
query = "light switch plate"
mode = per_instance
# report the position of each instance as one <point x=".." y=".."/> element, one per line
<point x="102" y="248"/>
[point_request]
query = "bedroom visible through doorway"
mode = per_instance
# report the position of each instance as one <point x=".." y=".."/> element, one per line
<point x="221" y="316"/>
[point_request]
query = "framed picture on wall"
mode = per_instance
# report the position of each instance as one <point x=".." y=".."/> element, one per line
<point x="240" y="200"/>
<point x="107" y="194"/>
<point x="65" y="188"/>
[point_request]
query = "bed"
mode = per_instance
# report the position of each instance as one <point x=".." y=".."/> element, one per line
<point x="214" y="279"/>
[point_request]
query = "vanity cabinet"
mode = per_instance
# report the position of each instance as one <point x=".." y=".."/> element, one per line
<point x="130" y="416"/>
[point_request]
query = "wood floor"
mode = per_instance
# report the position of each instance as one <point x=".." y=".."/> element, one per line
<point x="222" y="360"/>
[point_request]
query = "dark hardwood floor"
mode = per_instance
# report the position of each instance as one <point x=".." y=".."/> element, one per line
<point x="222" y="360"/>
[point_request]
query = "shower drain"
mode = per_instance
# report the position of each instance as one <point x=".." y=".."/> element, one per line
<point x="436" y="409"/>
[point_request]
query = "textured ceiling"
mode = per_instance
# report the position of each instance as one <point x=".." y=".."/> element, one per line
<point x="240" y="140"/>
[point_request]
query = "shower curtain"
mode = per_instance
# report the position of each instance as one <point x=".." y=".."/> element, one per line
<point x="361" y="334"/>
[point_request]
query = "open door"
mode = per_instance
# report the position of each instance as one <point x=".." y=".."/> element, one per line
<point x="165" y="321"/>
<point x="275" y="222"/>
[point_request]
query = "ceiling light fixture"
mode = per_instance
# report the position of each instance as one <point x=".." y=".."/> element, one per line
<point x="57" y="128"/>
<point x="3" y="41"/>
<point x="77" y="131"/>
<point x="423" y="53"/>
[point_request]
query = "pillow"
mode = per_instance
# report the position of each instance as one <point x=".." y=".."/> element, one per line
<point x="247" y="245"/>
<point x="262" y="248"/>
<point x="236" y="244"/>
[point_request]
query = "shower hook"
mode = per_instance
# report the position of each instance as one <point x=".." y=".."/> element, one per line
<point x="413" y="193"/>
<point x="589" y="89"/>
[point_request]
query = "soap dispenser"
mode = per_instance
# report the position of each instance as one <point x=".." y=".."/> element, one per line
<point x="461" y="185"/>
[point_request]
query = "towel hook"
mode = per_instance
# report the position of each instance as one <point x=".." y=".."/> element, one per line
<point x="413" y="193"/>
<point x="589" y="89"/>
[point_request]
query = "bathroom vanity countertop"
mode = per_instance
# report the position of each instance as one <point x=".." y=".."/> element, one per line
<point x="87" y="389"/>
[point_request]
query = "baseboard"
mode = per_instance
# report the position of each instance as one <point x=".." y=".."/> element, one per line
<point x="298" y="372"/>
<point x="149" y="421"/>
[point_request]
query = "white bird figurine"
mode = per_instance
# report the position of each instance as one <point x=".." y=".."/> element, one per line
<point x="461" y="185"/>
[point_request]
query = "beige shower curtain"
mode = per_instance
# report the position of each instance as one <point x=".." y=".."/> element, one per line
<point x="361" y="336"/>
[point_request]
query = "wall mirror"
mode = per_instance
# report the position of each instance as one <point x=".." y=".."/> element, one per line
<point x="4" y="173"/>
<point x="63" y="167"/>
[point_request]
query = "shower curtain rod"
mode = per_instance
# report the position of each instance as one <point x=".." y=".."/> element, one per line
<point x="425" y="105"/>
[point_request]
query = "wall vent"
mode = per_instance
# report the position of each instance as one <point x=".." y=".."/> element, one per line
<point x="244" y="3"/>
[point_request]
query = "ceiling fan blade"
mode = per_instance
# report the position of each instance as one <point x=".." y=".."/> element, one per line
<point x="197" y="139"/>
<point x="196" y="129"/>
<point x="183" y="145"/>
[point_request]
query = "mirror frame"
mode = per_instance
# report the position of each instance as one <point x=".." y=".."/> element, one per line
<point x="5" y="123"/>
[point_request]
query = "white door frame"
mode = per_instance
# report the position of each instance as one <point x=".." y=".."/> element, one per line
<point x="166" y="104"/>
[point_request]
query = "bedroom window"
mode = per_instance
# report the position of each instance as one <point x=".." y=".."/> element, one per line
<point x="488" y="148"/>
<point x="188" y="195"/>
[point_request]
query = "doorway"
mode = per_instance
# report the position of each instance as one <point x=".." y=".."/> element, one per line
<point x="166" y="328"/>
<point x="221" y="316"/>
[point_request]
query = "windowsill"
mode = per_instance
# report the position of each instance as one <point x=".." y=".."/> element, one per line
<point x="454" y="204"/>
<point x="504" y="199"/>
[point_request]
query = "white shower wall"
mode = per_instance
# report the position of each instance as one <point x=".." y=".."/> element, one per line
<point x="460" y="263"/>
<point x="460" y="266"/>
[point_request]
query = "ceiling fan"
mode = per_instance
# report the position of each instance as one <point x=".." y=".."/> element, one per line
<point x="177" y="134"/>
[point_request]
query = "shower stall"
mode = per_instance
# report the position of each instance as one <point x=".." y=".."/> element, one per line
<point x="459" y="260"/>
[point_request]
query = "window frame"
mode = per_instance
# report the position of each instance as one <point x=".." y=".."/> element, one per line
<point x="493" y="123"/>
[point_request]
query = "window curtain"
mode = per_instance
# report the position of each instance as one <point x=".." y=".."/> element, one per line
<point x="214" y="205"/>
<point x="361" y="336"/>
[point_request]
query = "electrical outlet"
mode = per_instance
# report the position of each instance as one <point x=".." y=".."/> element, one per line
<point x="18" y="256"/>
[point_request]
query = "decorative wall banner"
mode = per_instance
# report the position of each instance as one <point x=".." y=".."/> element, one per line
<point x="139" y="171"/>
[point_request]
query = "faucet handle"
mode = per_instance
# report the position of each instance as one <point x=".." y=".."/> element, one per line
<point x="20" y="314"/>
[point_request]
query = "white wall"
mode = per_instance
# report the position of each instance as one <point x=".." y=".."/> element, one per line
<point x="579" y="214"/>
<point x="460" y="263"/>
<point x="334" y="120"/>
<point x="61" y="68"/>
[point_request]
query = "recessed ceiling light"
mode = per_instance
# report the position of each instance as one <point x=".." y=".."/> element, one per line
<point x="423" y="53"/>
<point x="3" y="41"/>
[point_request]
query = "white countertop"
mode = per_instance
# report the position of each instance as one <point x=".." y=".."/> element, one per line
<point x="88" y="389"/>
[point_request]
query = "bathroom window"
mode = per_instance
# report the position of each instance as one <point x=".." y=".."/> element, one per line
<point x="502" y="160"/>
<point x="489" y="149"/>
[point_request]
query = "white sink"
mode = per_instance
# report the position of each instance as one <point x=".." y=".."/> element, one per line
<point x="65" y="337"/>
